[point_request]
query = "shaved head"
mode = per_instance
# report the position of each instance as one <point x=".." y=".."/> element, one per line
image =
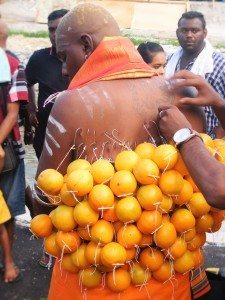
<point x="91" y="19"/>
<point x="80" y="32"/>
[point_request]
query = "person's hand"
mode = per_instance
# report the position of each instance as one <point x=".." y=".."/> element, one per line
<point x="170" y="120"/>
<point x="33" y="119"/>
<point x="28" y="137"/>
<point x="206" y="95"/>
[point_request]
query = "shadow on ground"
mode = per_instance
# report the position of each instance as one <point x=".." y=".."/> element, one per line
<point x="35" y="282"/>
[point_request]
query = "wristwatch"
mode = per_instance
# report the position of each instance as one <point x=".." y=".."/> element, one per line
<point x="183" y="135"/>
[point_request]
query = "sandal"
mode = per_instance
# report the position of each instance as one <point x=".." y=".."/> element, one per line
<point x="46" y="261"/>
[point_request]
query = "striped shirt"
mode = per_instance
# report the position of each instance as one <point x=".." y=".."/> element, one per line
<point x="17" y="92"/>
<point x="217" y="81"/>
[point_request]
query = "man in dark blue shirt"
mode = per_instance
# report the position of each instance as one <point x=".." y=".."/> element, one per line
<point x="45" y="69"/>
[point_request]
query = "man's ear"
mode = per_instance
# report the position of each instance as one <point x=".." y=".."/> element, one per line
<point x="205" y="32"/>
<point x="88" y="45"/>
<point x="177" y="32"/>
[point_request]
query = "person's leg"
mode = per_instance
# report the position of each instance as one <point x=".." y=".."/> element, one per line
<point x="10" y="227"/>
<point x="11" y="272"/>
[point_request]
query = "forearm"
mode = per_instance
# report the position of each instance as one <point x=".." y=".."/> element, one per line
<point x="219" y="110"/>
<point x="206" y="171"/>
<point x="32" y="102"/>
<point x="7" y="126"/>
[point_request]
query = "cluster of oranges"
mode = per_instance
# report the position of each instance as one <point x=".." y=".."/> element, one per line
<point x="142" y="217"/>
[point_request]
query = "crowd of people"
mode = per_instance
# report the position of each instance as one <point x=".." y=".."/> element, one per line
<point x="85" y="62"/>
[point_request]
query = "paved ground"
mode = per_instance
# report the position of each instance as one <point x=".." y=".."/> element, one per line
<point x="35" y="282"/>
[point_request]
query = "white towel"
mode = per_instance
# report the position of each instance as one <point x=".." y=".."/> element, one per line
<point x="202" y="65"/>
<point x="5" y="74"/>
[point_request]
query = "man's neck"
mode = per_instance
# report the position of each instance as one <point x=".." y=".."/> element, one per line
<point x="188" y="57"/>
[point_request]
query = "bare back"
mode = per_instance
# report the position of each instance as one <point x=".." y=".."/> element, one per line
<point x="102" y="118"/>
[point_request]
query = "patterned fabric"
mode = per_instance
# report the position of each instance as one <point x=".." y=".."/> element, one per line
<point x="217" y="81"/>
<point x="17" y="92"/>
<point x="199" y="283"/>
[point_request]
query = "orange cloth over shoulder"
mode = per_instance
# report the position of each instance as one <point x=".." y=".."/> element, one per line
<point x="114" y="58"/>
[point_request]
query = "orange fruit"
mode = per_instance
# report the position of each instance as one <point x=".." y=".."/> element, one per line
<point x="165" y="218"/>
<point x="128" y="209"/>
<point x="41" y="225"/>
<point x="50" y="181"/>
<point x="171" y="183"/>
<point x="126" y="160"/>
<point x="93" y="253"/>
<point x="90" y="277"/>
<point x="182" y="219"/>
<point x="166" y="205"/>
<point x="178" y="248"/>
<point x="78" y="164"/>
<point x="149" y="221"/>
<point x="145" y="150"/>
<point x="129" y="236"/>
<point x="197" y="242"/>
<point x="80" y="182"/>
<point x="102" y="171"/>
<point x="146" y="240"/>
<point x="198" y="205"/>
<point x="185" y="194"/>
<point x="191" y="181"/>
<point x="165" y="156"/>
<point x="84" y="233"/>
<point x="51" y="247"/>
<point x="198" y="257"/>
<point x="149" y="196"/>
<point x="220" y="154"/>
<point x="185" y="263"/>
<point x="110" y="213"/>
<point x="218" y="143"/>
<point x="165" y="236"/>
<point x="68" y="197"/>
<point x="100" y="197"/>
<point x="180" y="166"/>
<point x="146" y="171"/>
<point x="207" y="140"/>
<point x="164" y="273"/>
<point x="123" y="183"/>
<point x="79" y="259"/>
<point x="67" y="241"/>
<point x="113" y="254"/>
<point x="117" y="225"/>
<point x="151" y="258"/>
<point x="139" y="275"/>
<point x="204" y="223"/>
<point x="118" y="280"/>
<point x="84" y="215"/>
<point x="131" y="253"/>
<point x="102" y="232"/>
<point x="189" y="234"/>
<point x="67" y="264"/>
<point x="62" y="218"/>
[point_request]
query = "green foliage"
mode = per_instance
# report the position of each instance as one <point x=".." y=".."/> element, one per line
<point x="37" y="34"/>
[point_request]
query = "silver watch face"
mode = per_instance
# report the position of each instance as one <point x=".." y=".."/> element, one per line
<point x="181" y="135"/>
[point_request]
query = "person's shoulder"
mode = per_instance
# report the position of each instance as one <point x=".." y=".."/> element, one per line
<point x="13" y="62"/>
<point x="218" y="56"/>
<point x="41" y="53"/>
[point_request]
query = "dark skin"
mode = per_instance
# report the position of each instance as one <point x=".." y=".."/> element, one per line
<point x="190" y="35"/>
<point x="206" y="171"/>
<point x="94" y="114"/>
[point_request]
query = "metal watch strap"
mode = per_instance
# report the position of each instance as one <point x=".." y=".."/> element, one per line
<point x="193" y="134"/>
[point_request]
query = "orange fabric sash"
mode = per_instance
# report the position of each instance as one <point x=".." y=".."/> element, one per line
<point x="114" y="58"/>
<point x="65" y="286"/>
